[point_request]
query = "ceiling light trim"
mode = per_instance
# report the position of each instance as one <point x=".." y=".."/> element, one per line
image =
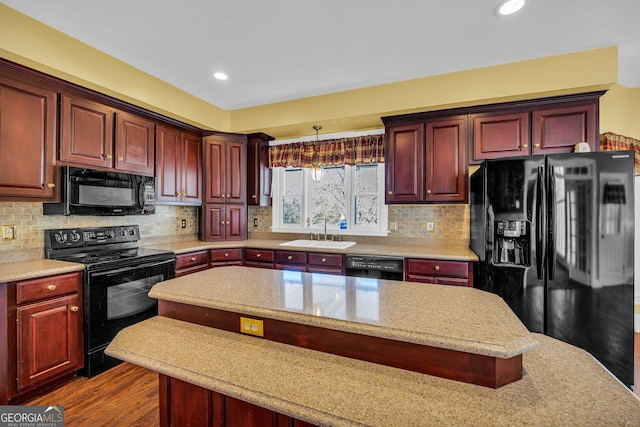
<point x="509" y="7"/>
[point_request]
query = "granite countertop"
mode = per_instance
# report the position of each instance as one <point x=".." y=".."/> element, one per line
<point x="455" y="253"/>
<point x="562" y="385"/>
<point x="411" y="312"/>
<point x="13" y="271"/>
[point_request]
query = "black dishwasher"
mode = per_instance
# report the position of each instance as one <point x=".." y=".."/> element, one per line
<point x="375" y="266"/>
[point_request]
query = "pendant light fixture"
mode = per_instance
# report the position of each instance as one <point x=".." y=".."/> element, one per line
<point x="316" y="170"/>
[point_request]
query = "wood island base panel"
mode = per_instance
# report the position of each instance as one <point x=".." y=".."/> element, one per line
<point x="472" y="368"/>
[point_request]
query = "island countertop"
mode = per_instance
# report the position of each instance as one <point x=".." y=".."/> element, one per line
<point x="454" y="318"/>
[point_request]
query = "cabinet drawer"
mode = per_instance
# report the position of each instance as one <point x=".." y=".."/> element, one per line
<point x="192" y="259"/>
<point x="325" y="260"/>
<point x="258" y="255"/>
<point x="290" y="257"/>
<point x="425" y="267"/>
<point x="224" y="255"/>
<point x="46" y="287"/>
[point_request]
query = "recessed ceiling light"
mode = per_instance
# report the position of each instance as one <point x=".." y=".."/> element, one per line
<point x="220" y="76"/>
<point x="509" y="7"/>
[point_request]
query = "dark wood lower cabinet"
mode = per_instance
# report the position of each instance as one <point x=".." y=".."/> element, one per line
<point x="184" y="404"/>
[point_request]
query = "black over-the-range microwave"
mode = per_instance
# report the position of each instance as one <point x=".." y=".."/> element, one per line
<point x="93" y="192"/>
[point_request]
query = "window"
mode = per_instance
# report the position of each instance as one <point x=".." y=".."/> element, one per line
<point x="302" y="206"/>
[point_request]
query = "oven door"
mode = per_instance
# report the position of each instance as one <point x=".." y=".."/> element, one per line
<point x="115" y="299"/>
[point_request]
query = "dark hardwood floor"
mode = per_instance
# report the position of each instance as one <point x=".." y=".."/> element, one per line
<point x="127" y="395"/>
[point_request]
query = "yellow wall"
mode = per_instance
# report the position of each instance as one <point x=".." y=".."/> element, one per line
<point x="29" y="42"/>
<point x="620" y="111"/>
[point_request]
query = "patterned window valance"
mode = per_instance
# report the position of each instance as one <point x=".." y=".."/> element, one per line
<point x="611" y="141"/>
<point x="332" y="152"/>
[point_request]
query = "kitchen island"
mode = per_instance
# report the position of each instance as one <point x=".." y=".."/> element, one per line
<point x="229" y="369"/>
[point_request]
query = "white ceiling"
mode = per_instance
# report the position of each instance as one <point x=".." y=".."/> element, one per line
<point x="276" y="50"/>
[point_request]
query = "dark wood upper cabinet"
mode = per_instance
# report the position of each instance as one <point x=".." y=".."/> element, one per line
<point x="178" y="166"/>
<point x="558" y="129"/>
<point x="135" y="144"/>
<point x="446" y="167"/>
<point x="28" y="130"/>
<point x="404" y="167"/>
<point x="258" y="171"/>
<point x="95" y="135"/>
<point x="225" y="169"/>
<point x="499" y="134"/>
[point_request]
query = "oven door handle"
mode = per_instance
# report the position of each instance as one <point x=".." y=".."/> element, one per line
<point x="133" y="267"/>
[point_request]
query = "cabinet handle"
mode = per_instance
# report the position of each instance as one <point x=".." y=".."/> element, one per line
<point x="324" y="260"/>
<point x="428" y="191"/>
<point x="258" y="255"/>
<point x="227" y="222"/>
<point x="289" y="257"/>
<point x="74" y="308"/>
<point x="226" y="255"/>
<point x="108" y="157"/>
<point x="524" y="147"/>
<point x="222" y="222"/>
<point x="193" y="258"/>
<point x="120" y="158"/>
<point x="228" y="196"/>
<point x="51" y="185"/>
<point x="253" y="197"/>
<point x="536" y="145"/>
<point x="51" y="287"/>
<point x="436" y="268"/>
<point x="389" y="192"/>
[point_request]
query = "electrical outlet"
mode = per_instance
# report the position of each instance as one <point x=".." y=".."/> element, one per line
<point x="183" y="223"/>
<point x="431" y="226"/>
<point x="393" y="226"/>
<point x="251" y="326"/>
<point x="255" y="222"/>
<point x="8" y="232"/>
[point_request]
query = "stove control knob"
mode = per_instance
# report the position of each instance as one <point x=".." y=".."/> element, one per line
<point x="75" y="237"/>
<point x="132" y="232"/>
<point x="111" y="234"/>
<point x="61" y="237"/>
<point x="123" y="233"/>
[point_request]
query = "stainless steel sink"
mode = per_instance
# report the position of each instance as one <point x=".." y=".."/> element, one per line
<point x="302" y="243"/>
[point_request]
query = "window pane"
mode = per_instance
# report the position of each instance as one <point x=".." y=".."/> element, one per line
<point x="328" y="197"/>
<point x="366" y="210"/>
<point x="292" y="197"/>
<point x="366" y="197"/>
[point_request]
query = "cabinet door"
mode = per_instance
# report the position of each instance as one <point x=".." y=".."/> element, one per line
<point x="213" y="223"/>
<point x="49" y="340"/>
<point x="497" y="135"/>
<point x="446" y="160"/>
<point x="215" y="171"/>
<point x="235" y="222"/>
<point x="168" y="164"/>
<point x="258" y="171"/>
<point x="27" y="141"/>
<point x="135" y="144"/>
<point x="557" y="130"/>
<point x="86" y="134"/>
<point x="236" y="172"/>
<point x="404" y="167"/>
<point x="191" y="165"/>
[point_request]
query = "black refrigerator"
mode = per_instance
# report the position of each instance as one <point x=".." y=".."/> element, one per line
<point x="554" y="235"/>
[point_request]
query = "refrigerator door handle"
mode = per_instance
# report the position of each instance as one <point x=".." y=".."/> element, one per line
<point x="551" y="223"/>
<point x="541" y="237"/>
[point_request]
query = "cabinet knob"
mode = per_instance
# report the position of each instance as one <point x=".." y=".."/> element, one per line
<point x="289" y="257"/>
<point x="389" y="192"/>
<point x="108" y="156"/>
<point x="536" y="145"/>
<point x="228" y="222"/>
<point x="120" y="158"/>
<point x="228" y="196"/>
<point x="254" y="196"/>
<point x="193" y="258"/>
<point x="222" y="222"/>
<point x="324" y="260"/>
<point x="524" y="147"/>
<point x="51" y="287"/>
<point x="436" y="268"/>
<point x="258" y="255"/>
<point x="74" y="308"/>
<point x="51" y="185"/>
<point x="428" y="191"/>
<point x="226" y="255"/>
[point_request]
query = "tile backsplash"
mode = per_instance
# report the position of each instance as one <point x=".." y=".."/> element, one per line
<point x="163" y="226"/>
<point x="451" y="225"/>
